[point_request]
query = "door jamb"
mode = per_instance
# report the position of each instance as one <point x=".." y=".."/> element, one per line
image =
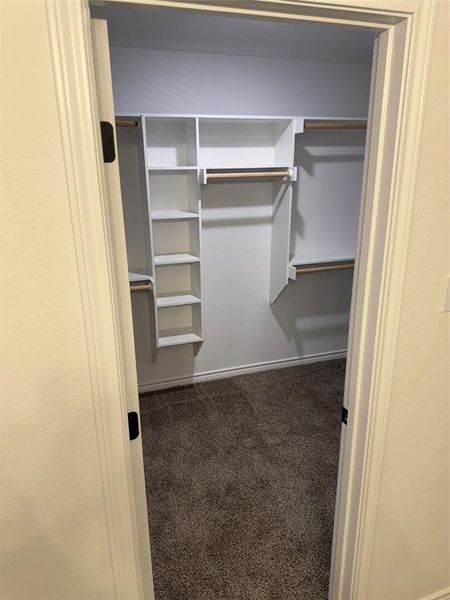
<point x="389" y="190"/>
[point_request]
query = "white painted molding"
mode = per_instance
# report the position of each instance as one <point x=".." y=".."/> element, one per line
<point x="69" y="33"/>
<point x="241" y="370"/>
<point x="393" y="148"/>
<point x="371" y="14"/>
<point x="411" y="73"/>
<point x="439" y="595"/>
<point x="115" y="238"/>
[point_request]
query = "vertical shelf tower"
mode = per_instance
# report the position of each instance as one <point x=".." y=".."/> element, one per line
<point x="173" y="192"/>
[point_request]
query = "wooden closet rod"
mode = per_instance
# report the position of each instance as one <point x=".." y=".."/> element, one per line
<point x="141" y="288"/>
<point x="249" y="174"/>
<point x="335" y="125"/>
<point x="126" y="123"/>
<point x="307" y="125"/>
<point x="325" y="268"/>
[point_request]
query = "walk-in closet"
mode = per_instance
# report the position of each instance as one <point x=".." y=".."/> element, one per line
<point x="240" y="144"/>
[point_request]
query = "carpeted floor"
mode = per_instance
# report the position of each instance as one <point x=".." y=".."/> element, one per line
<point x="241" y="477"/>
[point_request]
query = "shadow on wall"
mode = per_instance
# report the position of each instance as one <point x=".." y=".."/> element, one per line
<point x="315" y="146"/>
<point x="343" y="152"/>
<point x="313" y="307"/>
<point x="325" y="212"/>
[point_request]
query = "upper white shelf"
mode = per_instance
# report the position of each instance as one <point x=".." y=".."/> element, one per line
<point x="175" y="259"/>
<point x="173" y="215"/>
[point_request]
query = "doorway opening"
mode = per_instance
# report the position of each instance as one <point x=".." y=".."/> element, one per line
<point x="241" y="152"/>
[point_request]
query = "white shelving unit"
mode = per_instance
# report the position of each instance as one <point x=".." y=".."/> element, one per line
<point x="330" y="154"/>
<point x="175" y="227"/>
<point x="164" y="162"/>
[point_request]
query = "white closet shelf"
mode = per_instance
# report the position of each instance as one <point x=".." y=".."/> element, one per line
<point x="173" y="215"/>
<point x="177" y="299"/>
<point x="304" y="260"/>
<point x="171" y="168"/>
<point x="175" y="259"/>
<point x="177" y="337"/>
<point x="135" y="277"/>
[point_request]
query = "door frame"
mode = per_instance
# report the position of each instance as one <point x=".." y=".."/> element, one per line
<point x="399" y="81"/>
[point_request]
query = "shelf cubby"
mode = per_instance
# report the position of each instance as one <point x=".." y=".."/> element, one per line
<point x="176" y="236"/>
<point x="178" y="285"/>
<point x="179" y="324"/>
<point x="174" y="190"/>
<point x="171" y="141"/>
<point x="245" y="143"/>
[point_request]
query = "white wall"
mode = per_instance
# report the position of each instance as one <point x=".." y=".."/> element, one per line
<point x="189" y="82"/>
<point x="240" y="326"/>
<point x="54" y="540"/>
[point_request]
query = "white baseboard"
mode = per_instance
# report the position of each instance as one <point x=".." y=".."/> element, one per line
<point x="242" y="370"/>
<point x="440" y="595"/>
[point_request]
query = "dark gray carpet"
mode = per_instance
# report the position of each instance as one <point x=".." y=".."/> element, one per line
<point x="241" y="477"/>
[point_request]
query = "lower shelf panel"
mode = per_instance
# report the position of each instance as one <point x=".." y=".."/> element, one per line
<point x="177" y="337"/>
<point x="177" y="299"/>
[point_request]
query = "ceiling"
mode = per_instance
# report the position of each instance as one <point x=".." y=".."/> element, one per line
<point x="145" y="27"/>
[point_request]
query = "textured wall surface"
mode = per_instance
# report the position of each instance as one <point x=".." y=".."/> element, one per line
<point x="54" y="543"/>
<point x="411" y="552"/>
<point x="191" y="82"/>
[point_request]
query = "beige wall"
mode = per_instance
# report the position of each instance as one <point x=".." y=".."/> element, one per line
<point x="55" y="542"/>
<point x="56" y="545"/>
<point x="411" y="552"/>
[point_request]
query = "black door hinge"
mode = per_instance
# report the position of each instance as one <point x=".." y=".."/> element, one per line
<point x="133" y="425"/>
<point x="108" y="145"/>
<point x="344" y="415"/>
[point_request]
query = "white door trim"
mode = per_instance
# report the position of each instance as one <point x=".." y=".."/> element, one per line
<point x="69" y="28"/>
<point x="404" y="51"/>
<point x="121" y="297"/>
